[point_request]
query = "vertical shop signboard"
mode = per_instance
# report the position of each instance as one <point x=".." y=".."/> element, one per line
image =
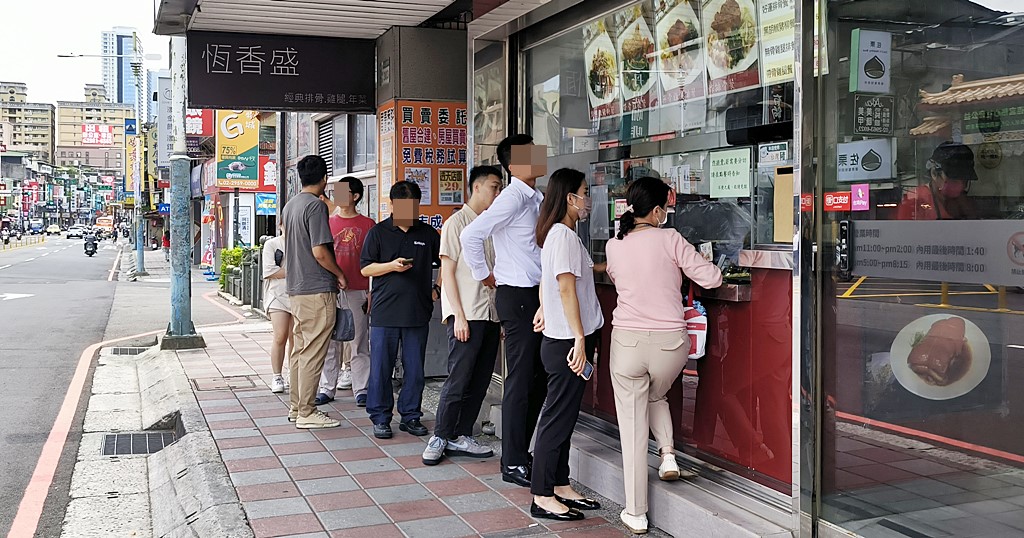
<point x="238" y="148"/>
<point x="386" y="160"/>
<point x="870" y="62"/>
<point x="430" y="144"/>
<point x="777" y="22"/>
<point x="132" y="154"/>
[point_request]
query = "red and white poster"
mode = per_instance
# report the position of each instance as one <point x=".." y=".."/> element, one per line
<point x="680" y="54"/>
<point x="730" y="37"/>
<point x="837" y="201"/>
<point x="199" y="122"/>
<point x="602" y="72"/>
<point x="636" y="55"/>
<point x="95" y="134"/>
<point x="268" y="174"/>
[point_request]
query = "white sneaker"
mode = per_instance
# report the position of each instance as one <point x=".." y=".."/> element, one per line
<point x="345" y="380"/>
<point x="635" y="524"/>
<point x="669" y="470"/>
<point x="315" y="421"/>
<point x="468" y="446"/>
<point x="277" y="384"/>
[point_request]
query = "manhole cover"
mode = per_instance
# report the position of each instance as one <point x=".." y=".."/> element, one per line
<point x="224" y="383"/>
<point x="118" y="444"/>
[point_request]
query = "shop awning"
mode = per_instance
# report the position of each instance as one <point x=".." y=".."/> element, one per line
<point x="366" y="19"/>
<point x="975" y="92"/>
<point x="931" y="125"/>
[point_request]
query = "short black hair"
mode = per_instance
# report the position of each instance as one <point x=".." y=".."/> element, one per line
<point x="505" y="148"/>
<point x="312" y="170"/>
<point x="406" y="190"/>
<point x="355" y="186"/>
<point x="481" y="172"/>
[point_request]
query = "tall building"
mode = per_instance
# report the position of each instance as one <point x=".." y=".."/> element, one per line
<point x="123" y="75"/>
<point x="27" y="126"/>
<point x="91" y="135"/>
<point x="95" y="93"/>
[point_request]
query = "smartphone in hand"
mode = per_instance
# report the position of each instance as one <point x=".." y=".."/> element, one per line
<point x="588" y="369"/>
<point x="407" y="261"/>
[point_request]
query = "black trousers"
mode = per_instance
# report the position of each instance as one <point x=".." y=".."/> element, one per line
<point x="470" y="364"/>
<point x="559" y="416"/>
<point x="525" y="381"/>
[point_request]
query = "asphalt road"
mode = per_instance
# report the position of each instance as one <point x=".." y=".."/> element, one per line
<point x="54" y="302"/>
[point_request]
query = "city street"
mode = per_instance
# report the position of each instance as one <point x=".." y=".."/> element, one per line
<point x="54" y="303"/>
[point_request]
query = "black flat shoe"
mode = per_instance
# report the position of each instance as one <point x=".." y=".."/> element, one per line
<point x="382" y="431"/>
<point x="571" y="515"/>
<point x="414" y="427"/>
<point x="580" y="504"/>
<point x="516" y="474"/>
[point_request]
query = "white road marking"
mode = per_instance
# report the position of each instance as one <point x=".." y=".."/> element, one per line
<point x="5" y="266"/>
<point x="10" y="296"/>
<point x="29" y="259"/>
<point x="45" y="255"/>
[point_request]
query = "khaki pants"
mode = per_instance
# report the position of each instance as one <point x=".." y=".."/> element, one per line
<point x="354" y="355"/>
<point x="644" y="365"/>
<point x="313" y="323"/>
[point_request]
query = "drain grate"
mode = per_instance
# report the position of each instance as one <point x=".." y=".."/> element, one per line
<point x="224" y="383"/>
<point x="128" y="350"/>
<point x="119" y="444"/>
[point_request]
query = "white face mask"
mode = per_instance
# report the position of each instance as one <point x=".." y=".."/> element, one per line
<point x="664" y="220"/>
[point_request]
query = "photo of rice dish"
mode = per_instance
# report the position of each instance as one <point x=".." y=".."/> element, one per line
<point x="678" y="53"/>
<point x="636" y="61"/>
<point x="733" y="35"/>
<point x="602" y="75"/>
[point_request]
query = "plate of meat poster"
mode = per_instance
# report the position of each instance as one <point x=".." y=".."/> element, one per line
<point x="680" y="52"/>
<point x="636" y="59"/>
<point x="730" y="43"/>
<point x="602" y="74"/>
<point x="940" y="356"/>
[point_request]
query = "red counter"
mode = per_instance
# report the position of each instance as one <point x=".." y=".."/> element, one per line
<point x="733" y="405"/>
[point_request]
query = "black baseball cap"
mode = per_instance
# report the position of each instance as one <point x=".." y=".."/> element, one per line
<point x="956" y="160"/>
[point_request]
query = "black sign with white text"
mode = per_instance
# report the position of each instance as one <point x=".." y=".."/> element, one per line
<point x="280" y="72"/>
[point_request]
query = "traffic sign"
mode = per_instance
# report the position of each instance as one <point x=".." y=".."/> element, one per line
<point x="130" y="128"/>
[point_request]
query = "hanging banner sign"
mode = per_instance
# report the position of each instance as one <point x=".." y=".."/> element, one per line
<point x="869" y="159"/>
<point x="870" y="62"/>
<point x="238" y="140"/>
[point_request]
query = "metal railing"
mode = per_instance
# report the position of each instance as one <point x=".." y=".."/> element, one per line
<point x="26" y="240"/>
<point x="245" y="282"/>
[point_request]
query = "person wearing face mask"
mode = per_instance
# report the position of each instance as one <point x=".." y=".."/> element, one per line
<point x="649" y="346"/>
<point x="950" y="169"/>
<point x="570" y="318"/>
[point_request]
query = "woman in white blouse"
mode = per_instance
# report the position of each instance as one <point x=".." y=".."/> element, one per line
<point x="277" y="305"/>
<point x="570" y="318"/>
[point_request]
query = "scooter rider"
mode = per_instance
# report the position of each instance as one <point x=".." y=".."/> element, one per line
<point x="90" y="242"/>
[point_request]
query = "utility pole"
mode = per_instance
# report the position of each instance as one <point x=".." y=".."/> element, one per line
<point x="140" y="222"/>
<point x="181" y="332"/>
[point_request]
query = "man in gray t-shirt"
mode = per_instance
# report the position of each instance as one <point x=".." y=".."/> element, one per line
<point x="313" y="280"/>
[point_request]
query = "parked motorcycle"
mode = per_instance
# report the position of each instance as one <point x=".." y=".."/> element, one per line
<point x="90" y="245"/>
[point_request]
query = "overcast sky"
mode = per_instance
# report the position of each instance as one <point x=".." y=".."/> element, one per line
<point x="35" y="31"/>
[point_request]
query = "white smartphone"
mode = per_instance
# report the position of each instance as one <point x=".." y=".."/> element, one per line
<point x="588" y="369"/>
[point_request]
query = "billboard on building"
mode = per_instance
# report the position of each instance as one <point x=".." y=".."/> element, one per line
<point x="199" y="122"/>
<point x="238" y="139"/>
<point x="94" y="134"/>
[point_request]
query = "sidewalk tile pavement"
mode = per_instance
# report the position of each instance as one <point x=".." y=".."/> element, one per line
<point x="344" y="482"/>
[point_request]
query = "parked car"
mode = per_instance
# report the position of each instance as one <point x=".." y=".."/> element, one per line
<point x="53" y="229"/>
<point x="76" y="231"/>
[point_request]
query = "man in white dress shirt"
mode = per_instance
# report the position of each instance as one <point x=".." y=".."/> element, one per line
<point x="512" y="223"/>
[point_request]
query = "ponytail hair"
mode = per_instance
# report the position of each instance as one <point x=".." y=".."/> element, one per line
<point x="642" y="196"/>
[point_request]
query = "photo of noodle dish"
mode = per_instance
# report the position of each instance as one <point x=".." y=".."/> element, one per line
<point x="636" y="56"/>
<point x="602" y="71"/>
<point x="731" y="36"/>
<point x="940" y="356"/>
<point x="679" y="42"/>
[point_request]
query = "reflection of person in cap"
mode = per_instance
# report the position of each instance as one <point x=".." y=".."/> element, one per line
<point x="950" y="168"/>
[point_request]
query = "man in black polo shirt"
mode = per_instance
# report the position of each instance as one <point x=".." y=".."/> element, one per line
<point x="399" y="254"/>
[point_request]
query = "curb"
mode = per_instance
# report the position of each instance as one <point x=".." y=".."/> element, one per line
<point x="190" y="491"/>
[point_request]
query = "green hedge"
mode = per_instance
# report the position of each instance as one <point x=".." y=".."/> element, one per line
<point x="229" y="256"/>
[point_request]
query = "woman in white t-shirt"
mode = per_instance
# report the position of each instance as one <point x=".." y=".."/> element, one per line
<point x="277" y="305"/>
<point x="570" y="318"/>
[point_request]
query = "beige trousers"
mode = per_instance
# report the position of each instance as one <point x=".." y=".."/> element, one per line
<point x="312" y="326"/>
<point x="644" y="365"/>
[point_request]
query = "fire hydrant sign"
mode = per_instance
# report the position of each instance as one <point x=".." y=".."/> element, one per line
<point x="730" y="173"/>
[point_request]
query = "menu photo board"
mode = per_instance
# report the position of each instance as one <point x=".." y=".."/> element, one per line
<point x="635" y="48"/>
<point x="602" y="73"/>
<point x="680" y="53"/>
<point x="730" y="36"/>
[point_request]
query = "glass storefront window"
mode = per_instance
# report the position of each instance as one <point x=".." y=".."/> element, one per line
<point x="920" y="175"/>
<point x="489" y="112"/>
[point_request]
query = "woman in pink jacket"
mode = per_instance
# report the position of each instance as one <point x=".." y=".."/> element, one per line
<point x="649" y="345"/>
